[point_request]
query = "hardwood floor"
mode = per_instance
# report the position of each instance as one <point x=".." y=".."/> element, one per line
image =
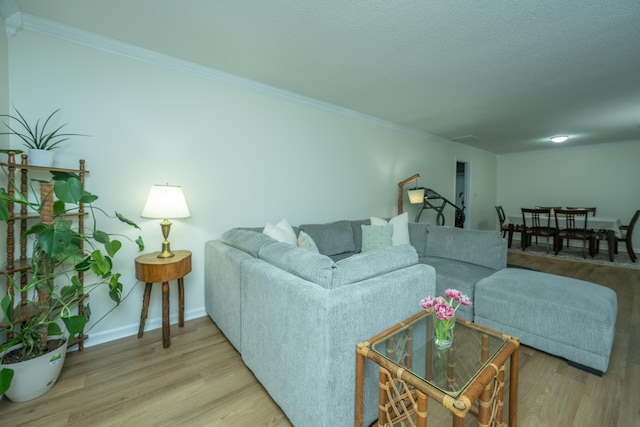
<point x="201" y="380"/>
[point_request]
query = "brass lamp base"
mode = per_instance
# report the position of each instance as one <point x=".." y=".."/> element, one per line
<point x="166" y="250"/>
<point x="165" y="225"/>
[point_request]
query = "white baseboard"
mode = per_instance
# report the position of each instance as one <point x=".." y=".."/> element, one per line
<point x="132" y="329"/>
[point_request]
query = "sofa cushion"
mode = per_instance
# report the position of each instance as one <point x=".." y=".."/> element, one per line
<point x="400" y="227"/>
<point x="309" y="265"/>
<point x="246" y="240"/>
<point x="463" y="245"/>
<point x="376" y="236"/>
<point x="418" y="232"/>
<point x="373" y="263"/>
<point x="356" y="227"/>
<point x="333" y="238"/>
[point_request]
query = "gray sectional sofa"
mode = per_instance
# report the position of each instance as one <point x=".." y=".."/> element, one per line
<point x="296" y="315"/>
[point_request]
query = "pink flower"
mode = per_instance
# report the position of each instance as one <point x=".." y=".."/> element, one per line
<point x="464" y="300"/>
<point x="428" y="302"/>
<point x="452" y="293"/>
<point x="443" y="308"/>
<point x="444" y="311"/>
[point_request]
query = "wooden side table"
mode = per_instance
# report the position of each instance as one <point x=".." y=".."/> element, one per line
<point x="151" y="269"/>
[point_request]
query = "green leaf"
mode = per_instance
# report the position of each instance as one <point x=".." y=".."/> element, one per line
<point x="140" y="243"/>
<point x="69" y="190"/>
<point x="88" y="197"/>
<point x="54" y="329"/>
<point x="115" y="288"/>
<point x="6" y="375"/>
<point x="84" y="265"/>
<point x="59" y="207"/>
<point x="63" y="176"/>
<point x="74" y="325"/>
<point x="101" y="237"/>
<point x="112" y="247"/>
<point x="54" y="240"/>
<point x="7" y="309"/>
<point x="127" y="221"/>
<point x="101" y="264"/>
<point x="4" y="208"/>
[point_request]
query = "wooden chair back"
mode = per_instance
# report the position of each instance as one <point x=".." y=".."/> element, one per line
<point x="576" y="222"/>
<point x="501" y="216"/>
<point x="591" y="210"/>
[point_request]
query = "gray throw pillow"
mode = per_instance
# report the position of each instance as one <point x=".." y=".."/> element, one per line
<point x="333" y="238"/>
<point x="376" y="236"/>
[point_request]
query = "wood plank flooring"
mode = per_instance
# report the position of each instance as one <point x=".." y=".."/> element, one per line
<point x="201" y="380"/>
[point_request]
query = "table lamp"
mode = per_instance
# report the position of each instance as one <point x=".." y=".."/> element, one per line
<point x="166" y="201"/>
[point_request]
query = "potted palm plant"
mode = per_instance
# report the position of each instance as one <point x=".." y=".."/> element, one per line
<point x="39" y="139"/>
<point x="44" y="301"/>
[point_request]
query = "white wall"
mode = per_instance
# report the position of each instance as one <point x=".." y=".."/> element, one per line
<point x="242" y="157"/>
<point x="606" y="176"/>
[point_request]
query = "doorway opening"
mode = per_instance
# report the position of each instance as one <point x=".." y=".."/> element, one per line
<point x="462" y="194"/>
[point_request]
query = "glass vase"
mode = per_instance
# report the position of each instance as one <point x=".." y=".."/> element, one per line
<point x="443" y="332"/>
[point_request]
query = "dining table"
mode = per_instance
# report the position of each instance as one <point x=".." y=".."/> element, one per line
<point x="608" y="225"/>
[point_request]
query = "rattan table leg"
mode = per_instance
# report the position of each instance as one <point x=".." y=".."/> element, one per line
<point x="513" y="387"/>
<point x="359" y="384"/>
<point x="421" y="413"/>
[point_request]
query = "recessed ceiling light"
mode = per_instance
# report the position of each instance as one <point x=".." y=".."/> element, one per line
<point x="559" y="138"/>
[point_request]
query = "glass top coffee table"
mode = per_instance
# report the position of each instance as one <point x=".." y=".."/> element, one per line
<point x="467" y="377"/>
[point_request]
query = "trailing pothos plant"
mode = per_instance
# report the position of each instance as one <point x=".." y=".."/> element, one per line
<point x="61" y="256"/>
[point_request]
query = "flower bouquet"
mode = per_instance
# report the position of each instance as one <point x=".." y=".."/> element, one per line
<point x="444" y="312"/>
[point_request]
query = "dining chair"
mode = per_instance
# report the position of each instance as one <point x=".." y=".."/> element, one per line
<point x="576" y="227"/>
<point x="536" y="222"/>
<point x="507" y="229"/>
<point x="627" y="236"/>
<point x="598" y="234"/>
<point x="551" y="208"/>
<point x="591" y="210"/>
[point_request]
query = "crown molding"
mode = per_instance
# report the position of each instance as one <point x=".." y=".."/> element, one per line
<point x="86" y="38"/>
<point x="12" y="17"/>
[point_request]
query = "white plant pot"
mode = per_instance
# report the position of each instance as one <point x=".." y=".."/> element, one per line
<point x="35" y="377"/>
<point x="41" y="157"/>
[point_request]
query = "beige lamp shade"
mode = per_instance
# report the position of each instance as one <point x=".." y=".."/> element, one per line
<point x="416" y="196"/>
<point x="166" y="201"/>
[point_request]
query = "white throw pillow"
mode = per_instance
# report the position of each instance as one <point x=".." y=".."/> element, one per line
<point x="400" y="228"/>
<point x="282" y="232"/>
<point x="306" y="242"/>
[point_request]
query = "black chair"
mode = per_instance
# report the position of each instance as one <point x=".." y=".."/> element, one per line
<point x="627" y="236"/>
<point x="591" y="210"/>
<point x="507" y="229"/>
<point x="576" y="227"/>
<point x="598" y="234"/>
<point x="536" y="222"/>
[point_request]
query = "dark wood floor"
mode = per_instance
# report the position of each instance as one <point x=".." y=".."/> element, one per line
<point x="201" y="380"/>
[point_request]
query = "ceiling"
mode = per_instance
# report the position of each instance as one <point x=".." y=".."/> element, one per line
<point x="502" y="76"/>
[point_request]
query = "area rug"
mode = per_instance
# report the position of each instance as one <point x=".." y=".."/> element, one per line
<point x="621" y="259"/>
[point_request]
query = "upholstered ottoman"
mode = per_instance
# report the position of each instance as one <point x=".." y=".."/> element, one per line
<point x="566" y="317"/>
